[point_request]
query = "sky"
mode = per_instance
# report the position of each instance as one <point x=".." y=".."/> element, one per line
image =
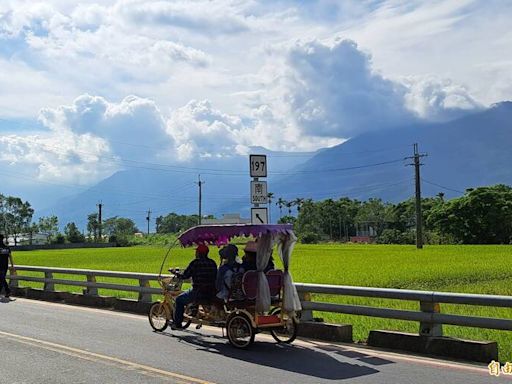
<point x="87" y="86"/>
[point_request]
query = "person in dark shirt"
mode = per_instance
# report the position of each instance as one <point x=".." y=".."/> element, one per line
<point x="5" y="257"/>
<point x="249" y="258"/>
<point x="203" y="272"/>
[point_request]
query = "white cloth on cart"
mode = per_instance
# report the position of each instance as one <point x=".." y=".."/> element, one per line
<point x="263" y="253"/>
<point x="285" y="245"/>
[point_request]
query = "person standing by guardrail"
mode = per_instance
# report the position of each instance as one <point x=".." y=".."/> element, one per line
<point x="5" y="257"/>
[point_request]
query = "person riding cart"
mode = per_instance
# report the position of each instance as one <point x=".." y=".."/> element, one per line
<point x="203" y="272"/>
<point x="269" y="300"/>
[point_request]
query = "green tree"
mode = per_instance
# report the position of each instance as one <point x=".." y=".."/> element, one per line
<point x="49" y="226"/>
<point x="119" y="227"/>
<point x="287" y="220"/>
<point x="481" y="216"/>
<point x="280" y="203"/>
<point x="174" y="223"/>
<point x="299" y="201"/>
<point x="16" y="216"/>
<point x="73" y="235"/>
<point x="93" y="226"/>
<point x="32" y="230"/>
<point x="375" y="213"/>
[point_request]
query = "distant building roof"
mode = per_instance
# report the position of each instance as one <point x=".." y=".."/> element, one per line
<point x="227" y="218"/>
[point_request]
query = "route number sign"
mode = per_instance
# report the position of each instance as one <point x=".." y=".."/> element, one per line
<point x="259" y="216"/>
<point x="259" y="193"/>
<point x="258" y="165"/>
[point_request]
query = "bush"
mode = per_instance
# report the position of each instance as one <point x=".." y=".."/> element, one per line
<point x="309" y="238"/>
<point x="59" y="239"/>
<point x="395" y="236"/>
<point x="390" y="236"/>
<point x="121" y="241"/>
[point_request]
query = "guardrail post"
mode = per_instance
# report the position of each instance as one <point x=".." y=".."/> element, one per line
<point x="306" y="314"/>
<point x="144" y="297"/>
<point x="48" y="286"/>
<point x="430" y="329"/>
<point x="91" y="291"/>
<point x="13" y="283"/>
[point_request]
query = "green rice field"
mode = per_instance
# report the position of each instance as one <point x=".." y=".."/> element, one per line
<point x="453" y="268"/>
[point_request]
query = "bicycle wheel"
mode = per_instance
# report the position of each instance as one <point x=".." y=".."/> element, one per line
<point x="189" y="314"/>
<point x="288" y="332"/>
<point x="240" y="331"/>
<point x="159" y="316"/>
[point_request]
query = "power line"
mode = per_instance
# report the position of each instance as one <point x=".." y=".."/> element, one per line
<point x="441" y="186"/>
<point x="214" y="171"/>
<point x="87" y="188"/>
<point x="339" y="169"/>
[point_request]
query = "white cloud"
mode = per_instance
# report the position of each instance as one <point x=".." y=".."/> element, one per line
<point x="334" y="92"/>
<point x="25" y="90"/>
<point x="438" y="99"/>
<point x="62" y="158"/>
<point x="266" y="89"/>
<point x="134" y="121"/>
<point x="201" y="130"/>
<point x="205" y="17"/>
<point x="89" y="140"/>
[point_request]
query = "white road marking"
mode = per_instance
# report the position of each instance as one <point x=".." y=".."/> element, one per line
<point x="96" y="357"/>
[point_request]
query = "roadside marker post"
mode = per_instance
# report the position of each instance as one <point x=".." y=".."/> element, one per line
<point x="259" y="194"/>
<point x="259" y="216"/>
<point x="259" y="190"/>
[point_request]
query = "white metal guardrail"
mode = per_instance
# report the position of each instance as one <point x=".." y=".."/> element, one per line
<point x="90" y="284"/>
<point x="428" y="316"/>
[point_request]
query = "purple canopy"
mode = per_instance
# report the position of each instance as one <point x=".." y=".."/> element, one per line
<point x="222" y="234"/>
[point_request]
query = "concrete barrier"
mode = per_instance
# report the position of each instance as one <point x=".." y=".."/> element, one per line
<point x="481" y="351"/>
<point x="62" y="246"/>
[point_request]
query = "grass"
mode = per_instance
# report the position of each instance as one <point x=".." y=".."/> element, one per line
<point x="471" y="269"/>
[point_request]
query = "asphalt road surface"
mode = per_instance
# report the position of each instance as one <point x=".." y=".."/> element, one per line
<point x="43" y="342"/>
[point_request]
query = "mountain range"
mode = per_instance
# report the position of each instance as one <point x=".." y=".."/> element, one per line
<point x="471" y="151"/>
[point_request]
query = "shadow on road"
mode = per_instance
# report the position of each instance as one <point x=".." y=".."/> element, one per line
<point x="292" y="358"/>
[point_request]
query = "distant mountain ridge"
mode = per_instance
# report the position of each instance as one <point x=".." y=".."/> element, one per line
<point x="471" y="151"/>
<point x="133" y="192"/>
<point x="467" y="152"/>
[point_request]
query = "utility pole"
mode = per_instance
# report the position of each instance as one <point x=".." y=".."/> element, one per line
<point x="200" y="184"/>
<point x="417" y="180"/>
<point x="148" y="218"/>
<point x="100" y="206"/>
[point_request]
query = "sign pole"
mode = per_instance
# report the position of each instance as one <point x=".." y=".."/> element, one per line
<point x="259" y="195"/>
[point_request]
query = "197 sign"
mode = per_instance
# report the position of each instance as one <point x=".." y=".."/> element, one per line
<point x="258" y="165"/>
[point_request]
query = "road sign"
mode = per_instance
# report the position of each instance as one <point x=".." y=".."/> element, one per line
<point x="258" y="165"/>
<point x="259" y="193"/>
<point x="259" y="216"/>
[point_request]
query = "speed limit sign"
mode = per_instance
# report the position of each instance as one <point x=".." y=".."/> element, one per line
<point x="258" y="165"/>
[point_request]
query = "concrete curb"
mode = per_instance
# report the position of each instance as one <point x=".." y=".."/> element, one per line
<point x="325" y="331"/>
<point x="106" y="302"/>
<point x="481" y="351"/>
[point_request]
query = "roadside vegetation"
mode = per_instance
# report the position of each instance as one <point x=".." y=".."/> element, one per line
<point x="480" y="216"/>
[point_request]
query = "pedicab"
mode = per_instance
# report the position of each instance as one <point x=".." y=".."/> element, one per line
<point x="271" y="302"/>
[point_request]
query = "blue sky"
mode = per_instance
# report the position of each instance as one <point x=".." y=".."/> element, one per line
<point x="85" y="83"/>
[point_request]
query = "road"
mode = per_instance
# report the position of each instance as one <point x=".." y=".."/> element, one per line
<point x="42" y="342"/>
